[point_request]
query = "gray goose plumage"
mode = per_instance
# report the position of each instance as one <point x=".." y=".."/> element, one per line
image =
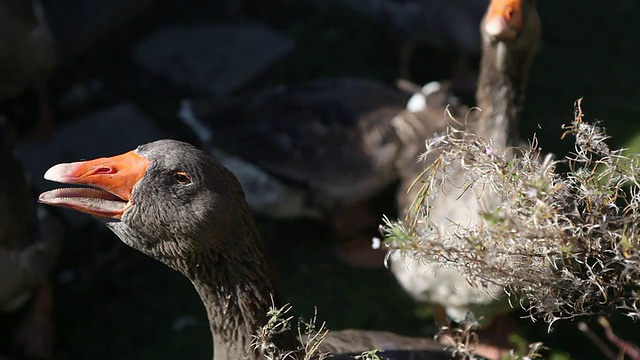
<point x="29" y="243"/>
<point x="307" y="150"/>
<point x="510" y="34"/>
<point x="179" y="205"/>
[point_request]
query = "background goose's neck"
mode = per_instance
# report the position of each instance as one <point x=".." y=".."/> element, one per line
<point x="500" y="94"/>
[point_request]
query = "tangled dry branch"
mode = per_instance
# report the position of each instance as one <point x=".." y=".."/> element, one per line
<point x="562" y="245"/>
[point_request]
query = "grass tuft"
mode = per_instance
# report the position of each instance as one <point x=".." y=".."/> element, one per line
<point x="310" y="336"/>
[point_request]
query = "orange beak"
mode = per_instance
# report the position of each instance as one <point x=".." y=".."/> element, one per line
<point x="110" y="183"/>
<point x="504" y="19"/>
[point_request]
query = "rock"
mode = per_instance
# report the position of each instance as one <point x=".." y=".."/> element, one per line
<point x="212" y="59"/>
<point x="107" y="132"/>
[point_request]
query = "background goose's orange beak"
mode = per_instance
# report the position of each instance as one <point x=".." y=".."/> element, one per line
<point x="504" y="19"/>
<point x="110" y="180"/>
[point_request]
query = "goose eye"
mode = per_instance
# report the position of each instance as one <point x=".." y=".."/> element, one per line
<point x="181" y="177"/>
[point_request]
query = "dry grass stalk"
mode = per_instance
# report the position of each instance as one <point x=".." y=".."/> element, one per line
<point x="310" y="336"/>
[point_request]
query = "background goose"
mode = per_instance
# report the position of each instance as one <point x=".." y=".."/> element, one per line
<point x="428" y="112"/>
<point x="29" y="244"/>
<point x="180" y="206"/>
<point x="304" y="150"/>
<point x="317" y="150"/>
<point x="510" y="34"/>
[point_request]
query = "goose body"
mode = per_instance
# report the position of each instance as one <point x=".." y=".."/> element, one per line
<point x="179" y="205"/>
<point x="510" y="34"/>
<point x="304" y="150"/>
<point x="28" y="246"/>
<point x="29" y="243"/>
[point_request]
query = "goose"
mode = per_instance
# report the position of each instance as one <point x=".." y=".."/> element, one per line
<point x="510" y="34"/>
<point x="29" y="243"/>
<point x="179" y="205"/>
<point x="304" y="150"/>
<point x="313" y="150"/>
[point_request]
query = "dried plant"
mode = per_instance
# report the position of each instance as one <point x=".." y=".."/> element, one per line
<point x="462" y="340"/>
<point x="371" y="355"/>
<point x="562" y="246"/>
<point x="310" y="336"/>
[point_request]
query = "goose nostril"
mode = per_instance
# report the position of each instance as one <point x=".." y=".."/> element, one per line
<point x="509" y="13"/>
<point x="104" y="170"/>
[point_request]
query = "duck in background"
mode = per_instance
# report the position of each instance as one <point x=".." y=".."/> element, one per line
<point x="451" y="24"/>
<point x="27" y="57"/>
<point x="315" y="150"/>
<point x="510" y="35"/>
<point x="29" y="243"/>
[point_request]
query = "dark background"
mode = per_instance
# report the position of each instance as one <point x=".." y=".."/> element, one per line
<point x="114" y="303"/>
